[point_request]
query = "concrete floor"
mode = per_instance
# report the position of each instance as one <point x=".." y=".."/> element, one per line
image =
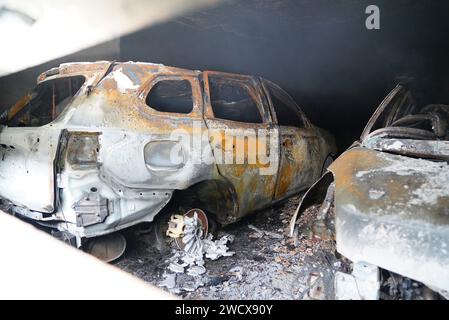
<point x="267" y="264"/>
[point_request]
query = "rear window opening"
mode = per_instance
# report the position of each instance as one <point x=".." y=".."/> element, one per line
<point x="285" y="108"/>
<point x="171" y="96"/>
<point x="44" y="104"/>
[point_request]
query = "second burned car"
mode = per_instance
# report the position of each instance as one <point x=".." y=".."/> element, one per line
<point x="90" y="150"/>
<point x="388" y="198"/>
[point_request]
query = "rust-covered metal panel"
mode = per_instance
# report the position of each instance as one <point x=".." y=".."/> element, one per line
<point x="298" y="165"/>
<point x="237" y="145"/>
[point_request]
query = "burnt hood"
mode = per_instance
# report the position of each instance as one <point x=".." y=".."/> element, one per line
<point x="393" y="211"/>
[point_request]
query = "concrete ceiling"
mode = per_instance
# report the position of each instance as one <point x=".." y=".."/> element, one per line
<point x="36" y="31"/>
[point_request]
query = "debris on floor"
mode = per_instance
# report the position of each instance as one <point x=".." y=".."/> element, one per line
<point x="261" y="233"/>
<point x="189" y="260"/>
<point x="266" y="264"/>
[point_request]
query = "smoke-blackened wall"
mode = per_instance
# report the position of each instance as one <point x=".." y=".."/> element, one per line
<point x="319" y="51"/>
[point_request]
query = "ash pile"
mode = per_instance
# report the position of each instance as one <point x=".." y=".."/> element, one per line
<point x="186" y="269"/>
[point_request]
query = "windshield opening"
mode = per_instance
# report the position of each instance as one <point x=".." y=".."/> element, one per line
<point x="400" y="116"/>
<point x="401" y="105"/>
<point x="430" y="122"/>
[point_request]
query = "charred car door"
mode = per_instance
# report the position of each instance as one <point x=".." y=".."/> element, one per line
<point x="299" y="144"/>
<point x="243" y="140"/>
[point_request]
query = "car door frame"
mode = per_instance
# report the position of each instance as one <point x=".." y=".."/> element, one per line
<point x="254" y="191"/>
<point x="299" y="176"/>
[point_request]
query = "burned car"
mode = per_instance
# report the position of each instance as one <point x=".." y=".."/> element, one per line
<point x="99" y="147"/>
<point x="389" y="195"/>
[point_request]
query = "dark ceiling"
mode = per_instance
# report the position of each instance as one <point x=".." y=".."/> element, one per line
<point x="318" y="50"/>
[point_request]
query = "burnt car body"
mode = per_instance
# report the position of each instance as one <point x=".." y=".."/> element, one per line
<point x="87" y="152"/>
<point x="391" y="198"/>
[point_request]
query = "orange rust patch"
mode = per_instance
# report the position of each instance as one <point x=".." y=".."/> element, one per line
<point x="349" y="164"/>
<point x="238" y="170"/>
<point x="285" y="180"/>
<point x="18" y="106"/>
<point x="109" y="84"/>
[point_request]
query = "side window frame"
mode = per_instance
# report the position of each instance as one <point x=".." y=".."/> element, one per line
<point x="255" y="92"/>
<point x="266" y="85"/>
<point x="197" y="98"/>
